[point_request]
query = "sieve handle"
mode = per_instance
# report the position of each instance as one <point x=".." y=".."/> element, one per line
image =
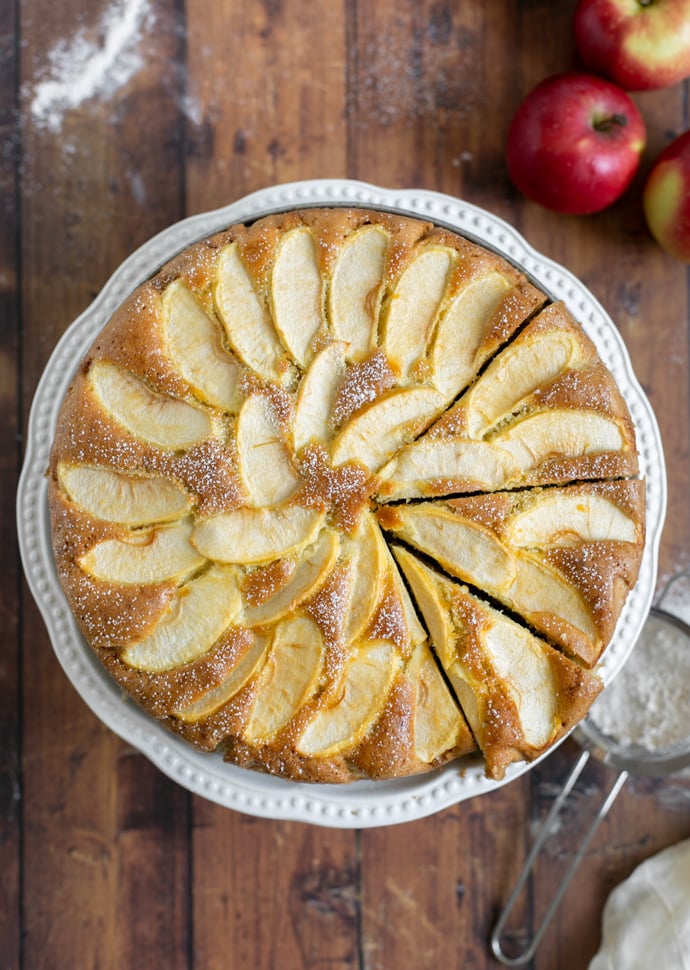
<point x="543" y="834"/>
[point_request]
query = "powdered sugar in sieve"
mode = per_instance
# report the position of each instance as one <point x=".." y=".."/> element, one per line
<point x="647" y="706"/>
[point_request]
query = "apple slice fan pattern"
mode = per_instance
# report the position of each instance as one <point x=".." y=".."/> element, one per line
<point x="343" y="495"/>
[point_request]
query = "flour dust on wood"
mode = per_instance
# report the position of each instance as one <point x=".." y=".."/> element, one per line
<point x="94" y="62"/>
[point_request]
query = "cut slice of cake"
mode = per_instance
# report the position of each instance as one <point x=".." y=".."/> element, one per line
<point x="519" y="694"/>
<point x="563" y="559"/>
<point x="545" y="411"/>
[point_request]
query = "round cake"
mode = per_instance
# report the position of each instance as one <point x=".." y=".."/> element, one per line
<point x="342" y="494"/>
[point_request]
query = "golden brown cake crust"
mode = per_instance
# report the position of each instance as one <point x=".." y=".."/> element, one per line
<point x="218" y="471"/>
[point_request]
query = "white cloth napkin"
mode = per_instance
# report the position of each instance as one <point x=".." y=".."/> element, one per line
<point x="646" y="920"/>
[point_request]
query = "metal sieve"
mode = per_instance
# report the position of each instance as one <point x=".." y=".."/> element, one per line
<point x="672" y="615"/>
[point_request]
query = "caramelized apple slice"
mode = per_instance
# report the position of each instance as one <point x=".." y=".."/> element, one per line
<point x="131" y="500"/>
<point x="317" y="396"/>
<point x="460" y="332"/>
<point x="238" y="677"/>
<point x="146" y="556"/>
<point x="433" y="465"/>
<point x="415" y="630"/>
<point x="356" y="288"/>
<point x="194" y="345"/>
<point x="466" y="549"/>
<point x="194" y="620"/>
<point x="366" y="555"/>
<point x="156" y="418"/>
<point x="264" y="460"/>
<point x="518" y="371"/>
<point x="558" y="518"/>
<point x="544" y="597"/>
<point x="411" y="313"/>
<point x="313" y="567"/>
<point x="569" y="433"/>
<point x="427" y="588"/>
<point x="438" y="724"/>
<point x="246" y="320"/>
<point x="256" y="535"/>
<point x="520" y="661"/>
<point x="288" y="679"/>
<point x="426" y="594"/>
<point x="297" y="294"/>
<point x="357" y="702"/>
<point x="379" y="430"/>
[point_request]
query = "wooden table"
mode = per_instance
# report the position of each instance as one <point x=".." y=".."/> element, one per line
<point x="104" y="863"/>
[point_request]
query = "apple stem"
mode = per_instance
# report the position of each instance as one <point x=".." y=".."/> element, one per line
<point x="606" y="124"/>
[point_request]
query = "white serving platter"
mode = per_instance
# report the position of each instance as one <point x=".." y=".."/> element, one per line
<point x="360" y="804"/>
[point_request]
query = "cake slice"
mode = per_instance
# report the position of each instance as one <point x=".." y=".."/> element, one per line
<point x="545" y="411"/>
<point x="564" y="559"/>
<point x="519" y="694"/>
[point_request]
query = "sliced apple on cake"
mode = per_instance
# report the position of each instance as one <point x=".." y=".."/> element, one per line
<point x="357" y="288"/>
<point x="439" y="727"/>
<point x="264" y="461"/>
<point x="157" y="419"/>
<point x="194" y="345"/>
<point x="132" y="500"/>
<point x="246" y="319"/>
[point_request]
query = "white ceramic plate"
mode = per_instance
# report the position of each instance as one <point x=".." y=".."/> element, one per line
<point x="360" y="804"/>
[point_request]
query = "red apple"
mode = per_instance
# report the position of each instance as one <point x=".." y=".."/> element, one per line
<point x="639" y="44"/>
<point x="666" y="198"/>
<point x="575" y="143"/>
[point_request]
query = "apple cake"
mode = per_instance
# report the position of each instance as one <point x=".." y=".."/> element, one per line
<point x="343" y="494"/>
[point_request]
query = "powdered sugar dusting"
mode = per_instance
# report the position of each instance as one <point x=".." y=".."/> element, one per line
<point x="344" y="490"/>
<point x="363" y="383"/>
<point x="81" y="68"/>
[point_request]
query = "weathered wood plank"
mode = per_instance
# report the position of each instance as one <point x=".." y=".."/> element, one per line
<point x="645" y="293"/>
<point x="152" y="906"/>
<point x="105" y="838"/>
<point x="430" y="90"/>
<point x="273" y="894"/>
<point x="265" y="104"/>
<point x="101" y="177"/>
<point x="265" y="97"/>
<point x="405" y="94"/>
<point x="429" y="888"/>
<point x="10" y="791"/>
